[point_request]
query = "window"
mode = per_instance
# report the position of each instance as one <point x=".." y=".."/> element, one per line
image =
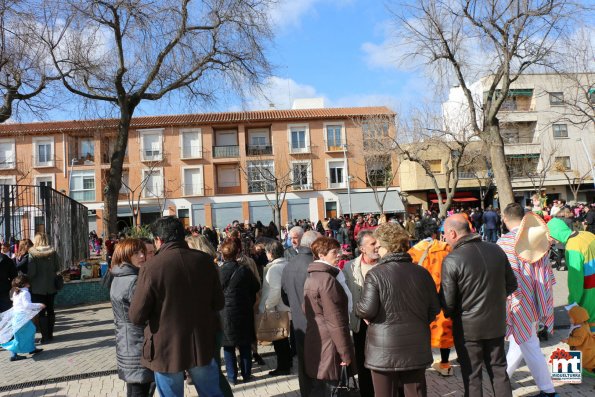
<point x="7" y="154"/>
<point x="82" y="185"/>
<point x="44" y="152"/>
<point x="556" y="98"/>
<point x="226" y="144"/>
<point x="560" y="130"/>
<point x="258" y="142"/>
<point x="334" y="137"/>
<point x="151" y="145"/>
<point x="261" y="176"/>
<point x="153" y="183"/>
<point x="191" y="142"/>
<point x="125" y="182"/>
<point x="562" y="163"/>
<point x="299" y="141"/>
<point x="228" y="175"/>
<point x="43" y="181"/>
<point x="336" y="170"/>
<point x="193" y="182"/>
<point x="435" y="166"/>
<point x="301" y="173"/>
<point x="379" y="170"/>
<point x="7" y="180"/>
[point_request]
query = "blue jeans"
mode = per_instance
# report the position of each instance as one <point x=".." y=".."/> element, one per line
<point x="231" y="362"/>
<point x="206" y="381"/>
<point x="491" y="235"/>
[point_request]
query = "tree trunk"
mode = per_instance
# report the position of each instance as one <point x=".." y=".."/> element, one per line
<point x="498" y="160"/>
<point x="114" y="180"/>
<point x="277" y="220"/>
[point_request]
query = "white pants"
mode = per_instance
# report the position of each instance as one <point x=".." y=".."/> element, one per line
<point x="531" y="352"/>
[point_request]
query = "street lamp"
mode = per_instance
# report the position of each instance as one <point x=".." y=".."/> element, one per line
<point x="347" y="177"/>
<point x="588" y="158"/>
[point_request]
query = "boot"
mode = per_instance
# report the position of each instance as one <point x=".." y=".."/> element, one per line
<point x="51" y="323"/>
<point x="44" y="324"/>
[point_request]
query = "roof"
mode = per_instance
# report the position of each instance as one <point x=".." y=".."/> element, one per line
<point x="196" y="119"/>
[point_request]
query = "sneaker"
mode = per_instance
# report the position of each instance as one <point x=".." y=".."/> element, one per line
<point x="17" y="358"/>
<point x="444" y="369"/>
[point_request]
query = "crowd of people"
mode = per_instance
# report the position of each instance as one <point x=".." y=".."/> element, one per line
<point x="373" y="294"/>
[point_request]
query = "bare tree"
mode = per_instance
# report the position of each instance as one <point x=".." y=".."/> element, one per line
<point x="123" y="52"/>
<point x="480" y="169"/>
<point x="454" y="38"/>
<point x="136" y="192"/>
<point x="274" y="179"/>
<point x="376" y="155"/>
<point x="439" y="148"/>
<point x="24" y="74"/>
<point x="574" y="178"/>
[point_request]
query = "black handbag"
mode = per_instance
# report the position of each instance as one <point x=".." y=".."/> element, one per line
<point x="58" y="282"/>
<point x="347" y="386"/>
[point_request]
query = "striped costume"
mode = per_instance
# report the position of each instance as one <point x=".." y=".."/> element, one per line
<point x="533" y="301"/>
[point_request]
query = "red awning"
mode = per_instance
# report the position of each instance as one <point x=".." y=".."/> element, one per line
<point x="461" y="199"/>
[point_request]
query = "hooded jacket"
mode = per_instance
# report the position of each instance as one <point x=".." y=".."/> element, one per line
<point x="129" y="337"/>
<point x="580" y="259"/>
<point x="43" y="267"/>
<point x="581" y="338"/>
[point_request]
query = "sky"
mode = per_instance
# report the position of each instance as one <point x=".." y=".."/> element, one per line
<point x="335" y="49"/>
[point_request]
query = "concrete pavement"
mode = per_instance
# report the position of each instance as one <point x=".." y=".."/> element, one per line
<point x="81" y="362"/>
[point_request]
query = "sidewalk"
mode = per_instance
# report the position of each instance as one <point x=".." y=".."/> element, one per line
<point x="81" y="362"/>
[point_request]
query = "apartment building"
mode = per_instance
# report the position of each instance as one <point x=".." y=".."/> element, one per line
<point x="205" y="168"/>
<point x="549" y="143"/>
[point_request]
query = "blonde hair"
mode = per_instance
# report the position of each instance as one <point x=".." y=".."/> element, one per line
<point x="392" y="237"/>
<point x="200" y="243"/>
<point x="40" y="240"/>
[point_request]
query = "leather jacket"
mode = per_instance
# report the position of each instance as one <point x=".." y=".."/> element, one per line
<point x="476" y="279"/>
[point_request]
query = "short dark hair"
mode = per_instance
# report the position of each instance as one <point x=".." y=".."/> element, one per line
<point x="514" y="211"/>
<point x="427" y="227"/>
<point x="168" y="229"/>
<point x="275" y="248"/>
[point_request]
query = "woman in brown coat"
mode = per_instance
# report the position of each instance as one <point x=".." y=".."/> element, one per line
<point x="327" y="345"/>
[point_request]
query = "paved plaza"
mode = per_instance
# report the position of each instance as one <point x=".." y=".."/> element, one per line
<point x="81" y="362"/>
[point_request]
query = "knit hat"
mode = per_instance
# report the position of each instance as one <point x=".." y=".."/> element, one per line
<point x="532" y="241"/>
<point x="559" y="230"/>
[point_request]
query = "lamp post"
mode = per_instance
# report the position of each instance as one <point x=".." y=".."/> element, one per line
<point x="588" y="159"/>
<point x="347" y="177"/>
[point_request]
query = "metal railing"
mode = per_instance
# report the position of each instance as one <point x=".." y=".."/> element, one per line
<point x="26" y="210"/>
<point x="259" y="150"/>
<point x="191" y="152"/>
<point x="226" y="151"/>
<point x="335" y="145"/>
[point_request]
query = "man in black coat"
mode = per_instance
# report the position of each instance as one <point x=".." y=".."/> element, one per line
<point x="476" y="279"/>
<point x="8" y="272"/>
<point x="292" y="290"/>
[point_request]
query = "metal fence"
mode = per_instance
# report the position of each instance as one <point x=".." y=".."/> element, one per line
<point x="26" y="210"/>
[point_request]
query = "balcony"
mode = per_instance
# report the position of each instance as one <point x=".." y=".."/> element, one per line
<point x="226" y="151"/>
<point x="259" y="150"/>
<point x="193" y="189"/>
<point x="335" y="145"/>
<point x="228" y="189"/>
<point x="151" y="155"/>
<point x="43" y="161"/>
<point x="296" y="148"/>
<point x="304" y="186"/>
<point x="191" y="152"/>
<point x="7" y="163"/>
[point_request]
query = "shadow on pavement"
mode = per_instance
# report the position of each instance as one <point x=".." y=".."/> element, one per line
<point x="49" y="390"/>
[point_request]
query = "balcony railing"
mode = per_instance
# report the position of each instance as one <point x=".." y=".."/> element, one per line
<point x="88" y="159"/>
<point x="466" y="175"/>
<point x="334" y="145"/>
<point x="45" y="161"/>
<point x="191" y="152"/>
<point x="226" y="151"/>
<point x="259" y="150"/>
<point x="298" y="149"/>
<point x="151" y="155"/>
<point x="304" y="186"/>
<point x="7" y="163"/>
<point x="193" y="190"/>
<point x="228" y="189"/>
